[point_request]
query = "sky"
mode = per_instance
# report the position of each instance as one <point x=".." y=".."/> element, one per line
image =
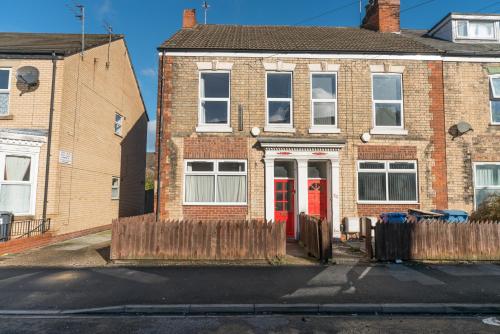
<point x="147" y="23"/>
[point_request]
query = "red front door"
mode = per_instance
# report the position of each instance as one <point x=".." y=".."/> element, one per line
<point x="317" y="198"/>
<point x="284" y="210"/>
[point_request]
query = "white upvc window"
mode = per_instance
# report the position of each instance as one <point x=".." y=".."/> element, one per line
<point x="115" y="187"/>
<point x="279" y="102"/>
<point x="4" y="91"/>
<point x="486" y="181"/>
<point x="387" y="101"/>
<point x="495" y="99"/>
<point x="475" y="29"/>
<point x="387" y="182"/>
<point x="214" y="101"/>
<point x="18" y="176"/>
<point x="118" y="124"/>
<point x="215" y="182"/>
<point x="323" y="102"/>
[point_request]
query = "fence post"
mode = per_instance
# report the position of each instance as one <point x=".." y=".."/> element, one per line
<point x="368" y="237"/>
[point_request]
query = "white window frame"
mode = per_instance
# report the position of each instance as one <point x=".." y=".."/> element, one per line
<point x="387" y="171"/>
<point x="7" y="91"/>
<point x="118" y="187"/>
<point x="396" y="129"/>
<point x="120" y="131"/>
<point x="273" y="127"/>
<point x="22" y="151"/>
<point x="209" y="127"/>
<point x="474" y="166"/>
<point x="215" y="173"/>
<point x="322" y="128"/>
<point x="468" y="36"/>
<point x="495" y="96"/>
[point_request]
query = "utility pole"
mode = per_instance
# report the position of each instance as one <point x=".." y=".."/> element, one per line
<point x="205" y="7"/>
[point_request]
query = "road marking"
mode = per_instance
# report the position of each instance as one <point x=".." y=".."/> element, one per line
<point x="492" y="321"/>
<point x="364" y="273"/>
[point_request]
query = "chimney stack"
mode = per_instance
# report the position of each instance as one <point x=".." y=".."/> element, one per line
<point x="382" y="16"/>
<point x="189" y="18"/>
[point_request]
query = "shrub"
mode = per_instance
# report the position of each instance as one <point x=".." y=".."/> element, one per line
<point x="488" y="210"/>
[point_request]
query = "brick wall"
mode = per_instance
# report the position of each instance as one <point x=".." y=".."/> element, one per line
<point x="215" y="148"/>
<point x="212" y="212"/>
<point x="379" y="152"/>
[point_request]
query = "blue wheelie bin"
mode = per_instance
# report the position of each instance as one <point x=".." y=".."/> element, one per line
<point x="453" y="216"/>
<point x="393" y="217"/>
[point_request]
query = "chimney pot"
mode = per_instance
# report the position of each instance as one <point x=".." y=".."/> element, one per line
<point x="189" y="18"/>
<point x="382" y="16"/>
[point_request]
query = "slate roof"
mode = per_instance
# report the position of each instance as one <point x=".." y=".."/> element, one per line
<point x="216" y="37"/>
<point x="453" y="49"/>
<point x="46" y="43"/>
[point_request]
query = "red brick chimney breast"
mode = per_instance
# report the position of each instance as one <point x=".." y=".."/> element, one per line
<point x="189" y="18"/>
<point x="382" y="16"/>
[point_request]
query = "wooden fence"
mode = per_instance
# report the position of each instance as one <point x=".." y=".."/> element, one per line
<point x="438" y="240"/>
<point x="142" y="237"/>
<point x="315" y="237"/>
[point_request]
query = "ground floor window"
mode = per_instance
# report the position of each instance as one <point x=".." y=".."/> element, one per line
<point x="221" y="182"/>
<point x="17" y="182"/>
<point x="387" y="181"/>
<point x="487" y="181"/>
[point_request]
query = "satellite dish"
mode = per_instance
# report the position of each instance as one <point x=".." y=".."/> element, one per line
<point x="27" y="79"/>
<point x="463" y="127"/>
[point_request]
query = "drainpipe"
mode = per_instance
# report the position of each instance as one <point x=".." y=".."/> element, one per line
<point x="160" y="137"/>
<point x="49" y="136"/>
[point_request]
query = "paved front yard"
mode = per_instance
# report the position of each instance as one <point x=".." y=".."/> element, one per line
<point x="87" y="251"/>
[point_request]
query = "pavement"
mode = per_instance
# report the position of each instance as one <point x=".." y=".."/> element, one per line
<point x="249" y="324"/>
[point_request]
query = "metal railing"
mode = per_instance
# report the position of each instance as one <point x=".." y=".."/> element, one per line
<point x="23" y="229"/>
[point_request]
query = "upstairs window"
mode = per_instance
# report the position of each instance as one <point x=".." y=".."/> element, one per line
<point x="324" y="99"/>
<point x="388" y="100"/>
<point x="4" y="91"/>
<point x="495" y="99"/>
<point x="475" y="29"/>
<point x="214" y="99"/>
<point x="279" y="99"/>
<point x="118" y="124"/>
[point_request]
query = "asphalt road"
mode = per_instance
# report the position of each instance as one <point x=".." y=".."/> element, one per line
<point x="247" y="325"/>
<point x="66" y="288"/>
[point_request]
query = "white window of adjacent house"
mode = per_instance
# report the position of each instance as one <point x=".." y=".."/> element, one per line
<point x="486" y="181"/>
<point x="279" y="104"/>
<point x="324" y="100"/>
<point x="214" y="107"/>
<point x="387" y="182"/>
<point x="475" y="29"/>
<point x="4" y="91"/>
<point x="495" y="99"/>
<point x="387" y="101"/>
<point x="17" y="183"/>
<point x="115" y="187"/>
<point x="215" y="182"/>
<point x="118" y="124"/>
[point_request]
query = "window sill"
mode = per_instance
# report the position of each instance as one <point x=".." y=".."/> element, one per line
<point x="285" y="129"/>
<point x="118" y="135"/>
<point x="211" y="128"/>
<point x="214" y="204"/>
<point x="326" y="129"/>
<point x="387" y="203"/>
<point x="494" y="124"/>
<point x="385" y="131"/>
<point x="7" y="117"/>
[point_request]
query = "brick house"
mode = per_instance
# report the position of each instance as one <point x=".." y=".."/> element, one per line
<point x="271" y="121"/>
<point x="88" y="108"/>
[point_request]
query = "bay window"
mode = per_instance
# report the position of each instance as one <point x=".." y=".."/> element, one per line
<point x="495" y="99"/>
<point x="4" y="91"/>
<point x="279" y="100"/>
<point x="215" y="182"/>
<point x="214" y="107"/>
<point x="324" y="100"/>
<point x="387" y="100"/>
<point x="486" y="181"/>
<point x="387" y="181"/>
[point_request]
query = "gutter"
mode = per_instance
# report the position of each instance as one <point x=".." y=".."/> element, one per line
<point x="49" y="136"/>
<point x="160" y="137"/>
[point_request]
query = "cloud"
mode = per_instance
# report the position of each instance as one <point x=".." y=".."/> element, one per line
<point x="148" y="72"/>
<point x="151" y="136"/>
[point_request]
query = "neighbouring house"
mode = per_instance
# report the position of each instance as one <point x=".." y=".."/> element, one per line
<point x="271" y="121"/>
<point x="86" y="110"/>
